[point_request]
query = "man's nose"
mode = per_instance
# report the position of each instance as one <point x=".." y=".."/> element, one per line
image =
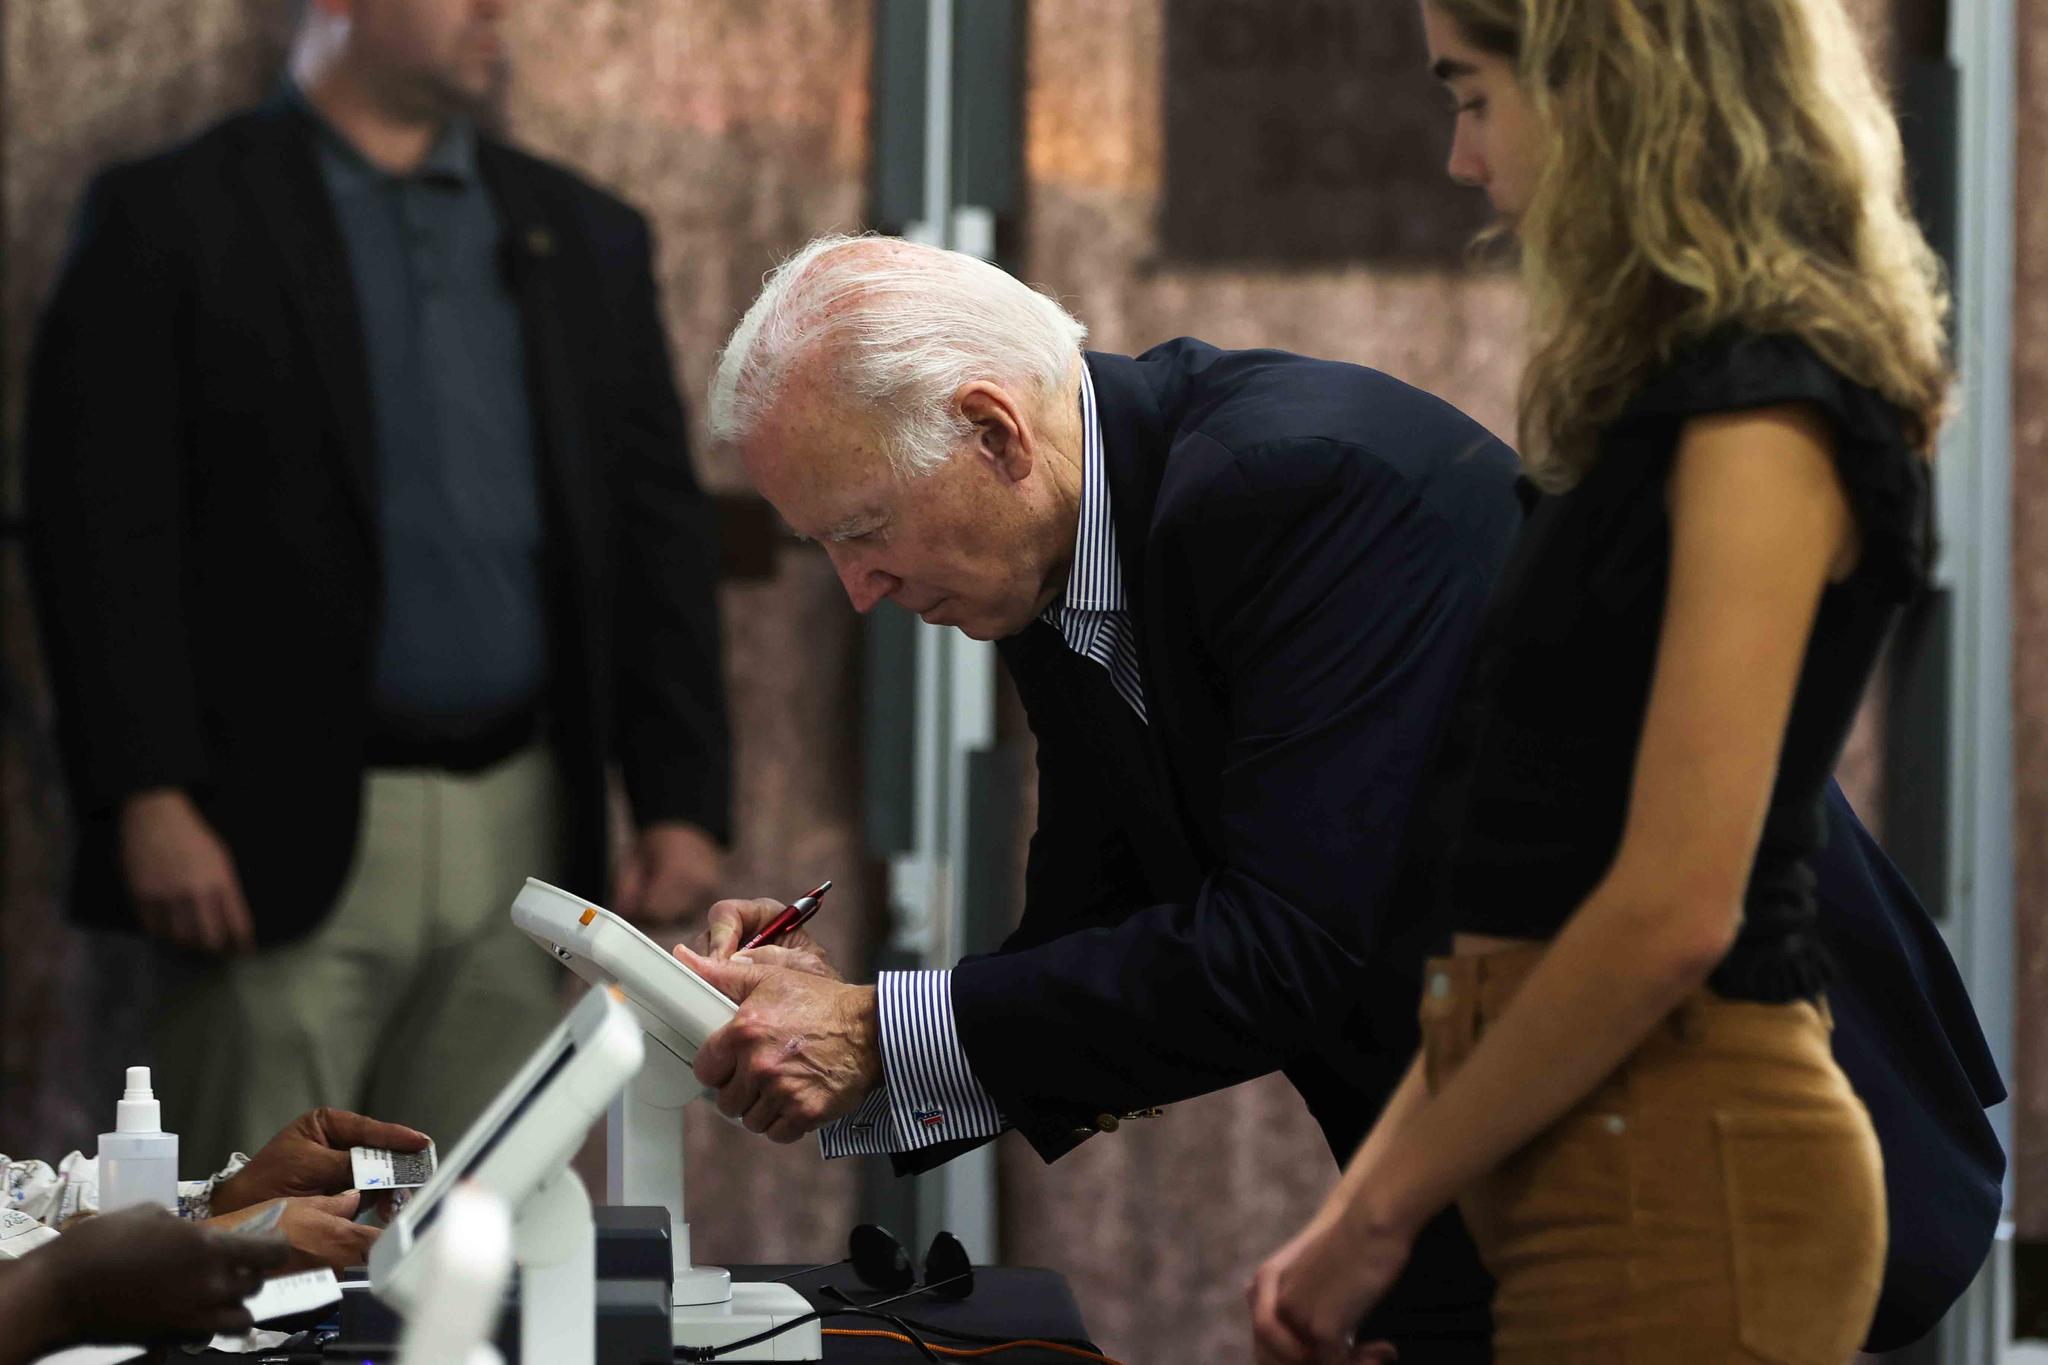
<point x="866" y="586"/>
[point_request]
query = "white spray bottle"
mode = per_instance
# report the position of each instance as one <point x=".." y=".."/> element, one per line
<point x="138" y="1160"/>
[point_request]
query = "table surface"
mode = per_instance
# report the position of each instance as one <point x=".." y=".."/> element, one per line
<point x="1007" y="1302"/>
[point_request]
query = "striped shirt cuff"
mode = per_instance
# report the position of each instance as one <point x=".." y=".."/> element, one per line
<point x="928" y="1092"/>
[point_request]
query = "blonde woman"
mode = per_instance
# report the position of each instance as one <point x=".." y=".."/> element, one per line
<point x="1736" y="373"/>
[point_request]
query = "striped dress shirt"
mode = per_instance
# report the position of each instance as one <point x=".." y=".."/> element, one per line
<point x="929" y="1093"/>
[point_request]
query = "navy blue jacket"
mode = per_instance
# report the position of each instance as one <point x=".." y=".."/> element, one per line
<point x="1307" y="548"/>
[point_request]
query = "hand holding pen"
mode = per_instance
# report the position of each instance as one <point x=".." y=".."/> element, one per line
<point x="769" y="932"/>
<point x="793" y="918"/>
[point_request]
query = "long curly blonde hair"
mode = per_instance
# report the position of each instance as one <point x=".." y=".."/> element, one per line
<point x="1707" y="163"/>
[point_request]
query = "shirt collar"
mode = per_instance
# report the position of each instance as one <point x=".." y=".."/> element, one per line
<point x="1096" y="580"/>
<point x="450" y="163"/>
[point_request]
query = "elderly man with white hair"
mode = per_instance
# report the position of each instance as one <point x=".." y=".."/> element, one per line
<point x="1236" y="590"/>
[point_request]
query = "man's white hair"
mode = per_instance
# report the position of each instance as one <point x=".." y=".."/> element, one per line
<point x="900" y="327"/>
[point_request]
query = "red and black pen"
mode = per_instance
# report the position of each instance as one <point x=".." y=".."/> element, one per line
<point x="792" y="918"/>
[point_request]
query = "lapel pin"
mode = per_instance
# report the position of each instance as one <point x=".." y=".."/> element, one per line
<point x="540" y="241"/>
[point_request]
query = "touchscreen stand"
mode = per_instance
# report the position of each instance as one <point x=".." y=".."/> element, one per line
<point x="554" y="1240"/>
<point x="468" y="1262"/>
<point x="644" y="1164"/>
<point x="519" y="1151"/>
<point x="644" y="1129"/>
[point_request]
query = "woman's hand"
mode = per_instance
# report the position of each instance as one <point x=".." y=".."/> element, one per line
<point x="310" y="1157"/>
<point x="1309" y="1296"/>
<point x="320" y="1230"/>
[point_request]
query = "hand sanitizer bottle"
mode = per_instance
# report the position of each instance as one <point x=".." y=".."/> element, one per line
<point x="138" y="1160"/>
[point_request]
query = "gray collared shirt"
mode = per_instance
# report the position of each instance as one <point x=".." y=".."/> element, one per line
<point x="462" y="638"/>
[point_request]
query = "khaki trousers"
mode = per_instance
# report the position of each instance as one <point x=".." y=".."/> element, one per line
<point x="413" y="1002"/>
<point x="1720" y="1197"/>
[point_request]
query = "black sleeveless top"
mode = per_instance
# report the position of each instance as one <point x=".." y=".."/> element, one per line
<point x="1532" y="789"/>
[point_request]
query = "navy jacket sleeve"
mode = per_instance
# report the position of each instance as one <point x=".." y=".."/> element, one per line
<point x="109" y="521"/>
<point x="673" y="743"/>
<point x="1334" y="612"/>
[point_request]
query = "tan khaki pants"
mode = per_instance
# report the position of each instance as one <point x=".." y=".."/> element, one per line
<point x="1720" y="1197"/>
<point x="413" y="1002"/>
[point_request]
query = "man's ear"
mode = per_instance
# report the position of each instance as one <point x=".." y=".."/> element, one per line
<point x="1002" y="439"/>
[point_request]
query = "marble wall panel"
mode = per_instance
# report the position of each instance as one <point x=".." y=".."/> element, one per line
<point x="81" y="83"/>
<point x="741" y="129"/>
<point x="2030" y="622"/>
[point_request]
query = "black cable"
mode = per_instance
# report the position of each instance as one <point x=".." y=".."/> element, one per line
<point x="708" y="1353"/>
<point x="934" y="1330"/>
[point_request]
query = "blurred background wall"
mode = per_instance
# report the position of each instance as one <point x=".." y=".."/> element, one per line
<point x="743" y="127"/>
<point x="2030" y="622"/>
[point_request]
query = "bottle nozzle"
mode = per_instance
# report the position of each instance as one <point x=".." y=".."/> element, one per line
<point x="138" y="1111"/>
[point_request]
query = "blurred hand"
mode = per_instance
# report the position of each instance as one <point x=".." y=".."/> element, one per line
<point x="733" y="922"/>
<point x="310" y="1157"/>
<point x="318" y="1230"/>
<point x="1309" y="1295"/>
<point x="141" y="1275"/>
<point x="802" y="1051"/>
<point x="668" y="874"/>
<point x="181" y="875"/>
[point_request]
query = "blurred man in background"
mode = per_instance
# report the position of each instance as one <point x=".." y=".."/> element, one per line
<point x="365" y="536"/>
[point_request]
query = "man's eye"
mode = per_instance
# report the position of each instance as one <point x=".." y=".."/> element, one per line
<point x="1475" y="105"/>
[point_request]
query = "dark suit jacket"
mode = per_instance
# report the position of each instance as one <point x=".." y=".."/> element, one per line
<point x="1306" y="549"/>
<point x="200" y="484"/>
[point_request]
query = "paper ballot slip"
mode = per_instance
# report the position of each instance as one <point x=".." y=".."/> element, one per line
<point x="380" y="1168"/>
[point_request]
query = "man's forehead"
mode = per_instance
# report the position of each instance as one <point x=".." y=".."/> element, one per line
<point x="821" y="483"/>
<point x="813" y="457"/>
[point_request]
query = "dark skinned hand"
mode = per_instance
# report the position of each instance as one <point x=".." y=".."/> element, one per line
<point x="310" y="1158"/>
<point x="142" y="1275"/>
<point x="320" y="1229"/>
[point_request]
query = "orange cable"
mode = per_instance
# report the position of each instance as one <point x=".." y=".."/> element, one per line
<point x="966" y="1352"/>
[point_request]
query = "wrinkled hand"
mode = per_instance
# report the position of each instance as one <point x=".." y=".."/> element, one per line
<point x="319" y="1230"/>
<point x="182" y="876"/>
<point x="309" y="1156"/>
<point x="142" y="1275"/>
<point x="733" y="922"/>
<point x="668" y="874"/>
<point x="802" y="1050"/>
<point x="1308" y="1296"/>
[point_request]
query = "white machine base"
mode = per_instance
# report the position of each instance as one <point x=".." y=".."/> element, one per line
<point x="754" y="1308"/>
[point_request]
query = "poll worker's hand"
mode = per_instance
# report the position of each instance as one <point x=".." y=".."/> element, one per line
<point x="181" y="875"/>
<point x="320" y="1230"/>
<point x="668" y="874"/>
<point x="733" y="922"/>
<point x="802" y="1051"/>
<point x="141" y="1275"/>
<point x="310" y="1157"/>
<point x="1309" y="1295"/>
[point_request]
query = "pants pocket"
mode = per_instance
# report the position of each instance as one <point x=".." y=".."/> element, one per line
<point x="1805" y="1198"/>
